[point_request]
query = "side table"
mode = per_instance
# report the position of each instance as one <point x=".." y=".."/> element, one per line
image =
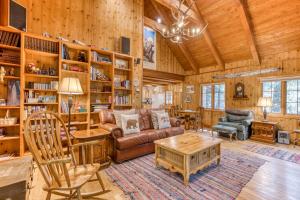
<point x="264" y="131"/>
<point x="100" y="151"/>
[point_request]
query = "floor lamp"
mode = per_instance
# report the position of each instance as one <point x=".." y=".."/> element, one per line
<point x="70" y="86"/>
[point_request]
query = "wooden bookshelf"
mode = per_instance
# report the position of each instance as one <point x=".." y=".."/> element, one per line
<point x="72" y="65"/>
<point x="47" y="53"/>
<point x="10" y="60"/>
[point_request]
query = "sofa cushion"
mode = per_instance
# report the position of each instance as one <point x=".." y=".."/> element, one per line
<point x="118" y="113"/>
<point x="238" y="126"/>
<point x="174" y="131"/>
<point x="155" y="134"/>
<point x="163" y="120"/>
<point x="154" y="117"/>
<point x="130" y="124"/>
<point x="145" y="119"/>
<point x="234" y="118"/>
<point x="132" y="141"/>
<point x="107" y="116"/>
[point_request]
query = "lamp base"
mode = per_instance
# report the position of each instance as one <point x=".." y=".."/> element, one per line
<point x="265" y="115"/>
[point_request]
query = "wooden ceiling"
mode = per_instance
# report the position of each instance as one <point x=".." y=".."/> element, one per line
<point x="237" y="30"/>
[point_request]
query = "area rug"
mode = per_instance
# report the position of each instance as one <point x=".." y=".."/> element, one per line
<point x="141" y="180"/>
<point x="273" y="152"/>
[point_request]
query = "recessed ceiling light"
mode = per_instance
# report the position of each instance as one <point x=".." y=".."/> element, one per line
<point x="159" y="20"/>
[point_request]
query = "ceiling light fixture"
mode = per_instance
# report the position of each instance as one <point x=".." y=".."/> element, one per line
<point x="178" y="31"/>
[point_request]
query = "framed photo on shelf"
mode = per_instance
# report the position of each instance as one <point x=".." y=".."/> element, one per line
<point x="149" y="45"/>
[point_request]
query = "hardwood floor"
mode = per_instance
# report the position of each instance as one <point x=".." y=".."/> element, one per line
<point x="276" y="179"/>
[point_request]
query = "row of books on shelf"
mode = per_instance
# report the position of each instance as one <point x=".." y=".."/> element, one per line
<point x="9" y="38"/>
<point x="9" y="56"/>
<point x="99" y="107"/>
<point x="53" y="85"/>
<point x="123" y="99"/>
<point x="96" y="57"/>
<point x="41" y="45"/>
<point x="35" y="97"/>
<point x="28" y="110"/>
<point x="124" y="84"/>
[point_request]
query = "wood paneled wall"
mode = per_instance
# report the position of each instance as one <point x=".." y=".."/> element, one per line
<point x="290" y="63"/>
<point x="165" y="59"/>
<point x="97" y="22"/>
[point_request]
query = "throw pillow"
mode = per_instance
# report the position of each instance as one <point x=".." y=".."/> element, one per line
<point x="154" y="117"/>
<point x="163" y="120"/>
<point x="130" y="124"/>
<point x="118" y="113"/>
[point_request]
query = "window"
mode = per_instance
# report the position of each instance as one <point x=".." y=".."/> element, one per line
<point x="219" y="96"/>
<point x="206" y="96"/>
<point x="293" y="97"/>
<point x="169" y="97"/>
<point x="273" y="89"/>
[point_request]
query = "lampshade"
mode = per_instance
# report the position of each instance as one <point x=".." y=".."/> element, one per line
<point x="264" y="102"/>
<point x="70" y="86"/>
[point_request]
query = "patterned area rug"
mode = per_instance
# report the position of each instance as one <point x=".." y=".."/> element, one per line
<point x="141" y="180"/>
<point x="273" y="152"/>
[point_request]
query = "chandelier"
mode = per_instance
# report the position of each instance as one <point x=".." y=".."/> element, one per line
<point x="179" y="31"/>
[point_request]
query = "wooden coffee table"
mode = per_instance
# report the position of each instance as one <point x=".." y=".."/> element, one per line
<point x="187" y="153"/>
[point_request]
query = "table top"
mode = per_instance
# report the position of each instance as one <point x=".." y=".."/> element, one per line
<point x="265" y="122"/>
<point x="188" y="143"/>
<point x="90" y="133"/>
<point x="15" y="170"/>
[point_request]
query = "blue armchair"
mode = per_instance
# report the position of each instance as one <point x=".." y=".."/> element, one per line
<point x="239" y="119"/>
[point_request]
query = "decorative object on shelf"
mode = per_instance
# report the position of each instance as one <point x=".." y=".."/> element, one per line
<point x="62" y="39"/>
<point x="122" y="64"/>
<point x="239" y="91"/>
<point x="2" y="102"/>
<point x="248" y="73"/>
<point x="79" y="42"/>
<point x="47" y="35"/>
<point x="178" y="32"/>
<point x="7" y="120"/>
<point x="149" y="48"/>
<point x="13" y="92"/>
<point x="70" y="86"/>
<point x="11" y="71"/>
<point x="82" y="56"/>
<point x="31" y="68"/>
<point x="65" y="52"/>
<point x="283" y="137"/>
<point x="2" y="74"/>
<point x="188" y="98"/>
<point x="265" y="102"/>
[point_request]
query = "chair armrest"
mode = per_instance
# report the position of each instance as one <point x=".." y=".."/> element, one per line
<point x="174" y="122"/>
<point x="247" y="122"/>
<point x="61" y="160"/>
<point x="116" y="131"/>
<point x="222" y="119"/>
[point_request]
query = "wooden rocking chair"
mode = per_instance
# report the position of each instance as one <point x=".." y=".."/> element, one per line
<point x="62" y="174"/>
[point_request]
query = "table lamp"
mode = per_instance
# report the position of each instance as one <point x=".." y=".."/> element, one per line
<point x="265" y="102"/>
<point x="70" y="86"/>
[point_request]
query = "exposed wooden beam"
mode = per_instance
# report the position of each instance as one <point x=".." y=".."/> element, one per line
<point x="246" y="22"/>
<point x="160" y="75"/>
<point x="186" y="53"/>
<point x="197" y="18"/>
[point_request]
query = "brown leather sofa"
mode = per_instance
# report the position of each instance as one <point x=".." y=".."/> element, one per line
<point x="139" y="144"/>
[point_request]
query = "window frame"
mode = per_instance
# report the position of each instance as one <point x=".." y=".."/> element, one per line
<point x="201" y="99"/>
<point x="172" y="97"/>
<point x="214" y="95"/>
<point x="298" y="94"/>
<point x="282" y="97"/>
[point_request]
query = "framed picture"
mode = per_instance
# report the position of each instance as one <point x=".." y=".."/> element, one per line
<point x="190" y="89"/>
<point x="149" y="48"/>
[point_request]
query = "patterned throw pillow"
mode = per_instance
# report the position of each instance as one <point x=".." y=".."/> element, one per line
<point x="163" y="120"/>
<point x="130" y="124"/>
<point x="118" y="113"/>
<point x="154" y="117"/>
